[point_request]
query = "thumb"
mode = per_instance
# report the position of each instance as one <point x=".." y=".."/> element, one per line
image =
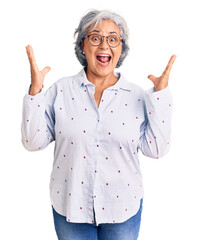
<point x="152" y="78"/>
<point x="45" y="70"/>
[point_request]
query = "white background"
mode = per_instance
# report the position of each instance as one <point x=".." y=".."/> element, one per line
<point x="158" y="29"/>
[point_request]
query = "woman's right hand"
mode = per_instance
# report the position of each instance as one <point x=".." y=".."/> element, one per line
<point x="37" y="76"/>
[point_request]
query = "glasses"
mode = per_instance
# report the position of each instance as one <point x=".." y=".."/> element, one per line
<point x="97" y="39"/>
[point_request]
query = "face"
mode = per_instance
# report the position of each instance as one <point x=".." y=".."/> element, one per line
<point x="93" y="54"/>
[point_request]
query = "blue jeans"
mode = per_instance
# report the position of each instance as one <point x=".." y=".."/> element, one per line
<point x="128" y="230"/>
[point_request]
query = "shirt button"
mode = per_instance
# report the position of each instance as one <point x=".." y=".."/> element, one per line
<point x="98" y="120"/>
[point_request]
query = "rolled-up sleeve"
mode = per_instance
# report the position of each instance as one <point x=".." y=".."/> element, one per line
<point x="38" y="120"/>
<point x="155" y="131"/>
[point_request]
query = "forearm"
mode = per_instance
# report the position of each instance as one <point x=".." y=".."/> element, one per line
<point x="34" y="128"/>
<point x="155" y="141"/>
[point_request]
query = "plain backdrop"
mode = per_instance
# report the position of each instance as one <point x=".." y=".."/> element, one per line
<point x="158" y="29"/>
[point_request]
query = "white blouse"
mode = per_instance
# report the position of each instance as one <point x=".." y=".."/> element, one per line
<point x="96" y="148"/>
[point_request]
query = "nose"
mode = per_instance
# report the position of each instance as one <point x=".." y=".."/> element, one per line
<point x="104" y="43"/>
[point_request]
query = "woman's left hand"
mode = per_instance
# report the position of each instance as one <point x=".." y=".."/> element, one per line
<point x="162" y="81"/>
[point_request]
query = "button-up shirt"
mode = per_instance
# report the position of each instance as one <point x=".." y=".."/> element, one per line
<point x="96" y="148"/>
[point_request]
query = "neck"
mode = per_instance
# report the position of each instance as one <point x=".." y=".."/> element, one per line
<point x="101" y="81"/>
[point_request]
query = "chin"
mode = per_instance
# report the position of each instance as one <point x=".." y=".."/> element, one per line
<point x="104" y="71"/>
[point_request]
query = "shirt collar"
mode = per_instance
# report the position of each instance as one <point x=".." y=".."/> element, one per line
<point x="81" y="79"/>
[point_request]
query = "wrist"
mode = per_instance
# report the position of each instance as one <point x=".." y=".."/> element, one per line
<point x="34" y="90"/>
<point x="160" y="88"/>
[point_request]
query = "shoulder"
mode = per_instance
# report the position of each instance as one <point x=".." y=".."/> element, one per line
<point x="136" y="88"/>
<point x="67" y="81"/>
<point x="61" y="83"/>
<point x="59" y="86"/>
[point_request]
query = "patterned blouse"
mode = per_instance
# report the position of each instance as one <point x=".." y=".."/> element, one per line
<point x="96" y="148"/>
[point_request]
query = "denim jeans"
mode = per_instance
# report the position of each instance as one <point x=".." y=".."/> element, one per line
<point x="128" y="230"/>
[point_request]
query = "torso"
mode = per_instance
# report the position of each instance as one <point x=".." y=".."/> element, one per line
<point x="99" y="91"/>
<point x="97" y="96"/>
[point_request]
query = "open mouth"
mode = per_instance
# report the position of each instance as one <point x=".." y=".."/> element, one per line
<point x="103" y="58"/>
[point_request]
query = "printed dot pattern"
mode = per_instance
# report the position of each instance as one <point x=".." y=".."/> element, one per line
<point x="96" y="154"/>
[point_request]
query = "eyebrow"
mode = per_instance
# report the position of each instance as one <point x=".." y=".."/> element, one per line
<point x="113" y="32"/>
<point x="95" y="31"/>
<point x="99" y="32"/>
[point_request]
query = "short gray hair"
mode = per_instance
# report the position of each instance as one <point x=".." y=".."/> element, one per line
<point x="92" y="18"/>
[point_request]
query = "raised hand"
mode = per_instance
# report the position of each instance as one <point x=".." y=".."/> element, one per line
<point x="162" y="81"/>
<point x="37" y="76"/>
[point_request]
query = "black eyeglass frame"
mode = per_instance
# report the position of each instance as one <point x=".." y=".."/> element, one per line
<point x="87" y="36"/>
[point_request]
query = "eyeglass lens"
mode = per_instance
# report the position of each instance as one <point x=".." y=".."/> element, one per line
<point x="96" y="40"/>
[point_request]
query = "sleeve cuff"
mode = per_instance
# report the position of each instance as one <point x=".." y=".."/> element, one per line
<point x="38" y="95"/>
<point x="158" y="100"/>
<point x="161" y="94"/>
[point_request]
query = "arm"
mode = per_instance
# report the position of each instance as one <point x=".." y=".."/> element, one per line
<point x="155" y="131"/>
<point x="38" y="120"/>
<point x="154" y="141"/>
<point x="37" y="126"/>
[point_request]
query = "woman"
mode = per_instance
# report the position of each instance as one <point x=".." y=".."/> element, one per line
<point x="98" y="121"/>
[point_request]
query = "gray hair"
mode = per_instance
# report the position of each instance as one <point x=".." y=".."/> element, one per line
<point x="93" y="18"/>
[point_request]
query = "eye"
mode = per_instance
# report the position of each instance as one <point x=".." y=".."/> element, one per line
<point x="113" y="39"/>
<point x="95" y="38"/>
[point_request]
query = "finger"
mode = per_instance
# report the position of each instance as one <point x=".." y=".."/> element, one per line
<point x="152" y="78"/>
<point x="169" y="66"/>
<point x="30" y="55"/>
<point x="45" y="70"/>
